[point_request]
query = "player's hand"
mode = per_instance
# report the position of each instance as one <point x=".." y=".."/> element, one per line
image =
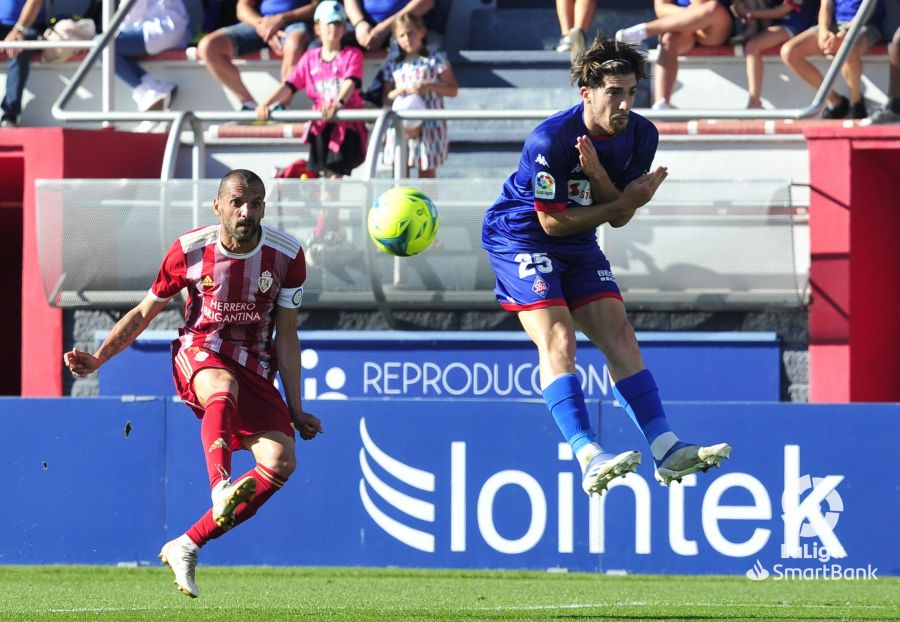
<point x="642" y="189"/>
<point x="307" y="425"/>
<point x="588" y="159"/>
<point x="81" y="363"/>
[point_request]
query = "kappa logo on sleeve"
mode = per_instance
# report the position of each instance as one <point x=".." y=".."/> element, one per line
<point x="540" y="159"/>
<point x="544" y="186"/>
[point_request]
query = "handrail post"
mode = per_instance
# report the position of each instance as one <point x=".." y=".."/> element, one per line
<point x="376" y="139"/>
<point x="108" y="69"/>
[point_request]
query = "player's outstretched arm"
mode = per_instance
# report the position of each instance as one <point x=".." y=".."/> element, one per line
<point x="121" y="336"/>
<point x="287" y="350"/>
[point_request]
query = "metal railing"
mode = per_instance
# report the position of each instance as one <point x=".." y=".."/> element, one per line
<point x="382" y="119"/>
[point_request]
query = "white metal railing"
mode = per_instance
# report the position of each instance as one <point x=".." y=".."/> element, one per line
<point x="382" y="119"/>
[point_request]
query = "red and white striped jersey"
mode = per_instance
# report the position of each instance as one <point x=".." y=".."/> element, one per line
<point x="231" y="298"/>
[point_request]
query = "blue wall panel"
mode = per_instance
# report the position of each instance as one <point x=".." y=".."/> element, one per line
<point x="78" y="490"/>
<point x="483" y="365"/>
<point x="466" y="483"/>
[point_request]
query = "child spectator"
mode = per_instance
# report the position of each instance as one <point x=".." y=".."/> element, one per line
<point x="331" y="76"/>
<point x="151" y="27"/>
<point x="417" y="78"/>
<point x="794" y="17"/>
<point x="680" y="24"/>
<point x="826" y="38"/>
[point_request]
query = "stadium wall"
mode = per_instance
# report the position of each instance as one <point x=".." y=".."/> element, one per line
<point x="466" y="484"/>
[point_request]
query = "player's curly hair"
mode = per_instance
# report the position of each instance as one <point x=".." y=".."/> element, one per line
<point x="607" y="57"/>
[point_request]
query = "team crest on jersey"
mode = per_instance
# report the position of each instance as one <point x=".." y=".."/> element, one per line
<point x="207" y="282"/>
<point x="201" y="356"/>
<point x="544" y="186"/>
<point x="265" y="281"/>
<point x="540" y="287"/>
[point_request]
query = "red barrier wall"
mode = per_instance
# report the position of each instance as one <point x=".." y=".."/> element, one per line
<point x="55" y="153"/>
<point x="854" y="333"/>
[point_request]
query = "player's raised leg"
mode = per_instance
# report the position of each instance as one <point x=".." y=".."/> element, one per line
<point x="217" y="391"/>
<point x="604" y="321"/>
<point x="553" y="332"/>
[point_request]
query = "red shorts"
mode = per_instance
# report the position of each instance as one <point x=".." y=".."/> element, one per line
<point x="260" y="407"/>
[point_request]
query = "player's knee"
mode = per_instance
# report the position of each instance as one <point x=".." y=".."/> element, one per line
<point x="283" y="464"/>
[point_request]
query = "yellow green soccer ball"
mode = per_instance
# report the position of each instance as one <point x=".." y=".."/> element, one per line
<point x="403" y="222"/>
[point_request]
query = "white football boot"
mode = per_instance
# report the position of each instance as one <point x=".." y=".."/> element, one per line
<point x="604" y="468"/>
<point x="180" y="555"/>
<point x="684" y="459"/>
<point x="226" y="497"/>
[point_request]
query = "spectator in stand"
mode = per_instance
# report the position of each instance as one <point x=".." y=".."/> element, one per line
<point x="373" y="20"/>
<point x="794" y="17"/>
<point x="680" y="25"/>
<point x="891" y="111"/>
<point x="418" y="79"/>
<point x="283" y="25"/>
<point x="19" y="21"/>
<point x="826" y="38"/>
<point x="151" y="27"/>
<point x="331" y="76"/>
<point x="575" y="18"/>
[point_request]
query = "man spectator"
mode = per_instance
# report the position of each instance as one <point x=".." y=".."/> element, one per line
<point x="891" y="111"/>
<point x="18" y="22"/>
<point x="373" y="20"/>
<point x="285" y="26"/>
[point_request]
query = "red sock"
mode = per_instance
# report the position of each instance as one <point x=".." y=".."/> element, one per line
<point x="215" y="432"/>
<point x="267" y="484"/>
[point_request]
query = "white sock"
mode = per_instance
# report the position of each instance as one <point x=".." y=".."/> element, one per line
<point x="638" y="32"/>
<point x="250" y="103"/>
<point x="586" y="453"/>
<point x="661" y="444"/>
<point x="183" y="540"/>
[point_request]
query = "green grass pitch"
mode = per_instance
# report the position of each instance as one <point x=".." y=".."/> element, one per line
<point x="265" y="594"/>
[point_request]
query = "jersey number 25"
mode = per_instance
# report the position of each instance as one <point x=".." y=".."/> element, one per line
<point x="529" y="263"/>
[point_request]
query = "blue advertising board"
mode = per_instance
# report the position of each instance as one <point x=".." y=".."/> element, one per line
<point x="467" y="484"/>
<point x="478" y="365"/>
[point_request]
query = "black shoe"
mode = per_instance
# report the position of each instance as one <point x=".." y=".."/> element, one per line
<point x="9" y="121"/>
<point x="837" y="112"/>
<point x="858" y="110"/>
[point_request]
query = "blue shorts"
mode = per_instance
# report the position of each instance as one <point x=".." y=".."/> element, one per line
<point x="571" y="278"/>
<point x="245" y="40"/>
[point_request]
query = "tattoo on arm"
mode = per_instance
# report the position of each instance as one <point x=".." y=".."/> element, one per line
<point x="123" y="338"/>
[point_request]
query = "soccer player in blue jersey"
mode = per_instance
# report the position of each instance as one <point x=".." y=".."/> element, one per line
<point x="582" y="168"/>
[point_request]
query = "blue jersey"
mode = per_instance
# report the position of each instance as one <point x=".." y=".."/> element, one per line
<point x="845" y="10"/>
<point x="550" y="179"/>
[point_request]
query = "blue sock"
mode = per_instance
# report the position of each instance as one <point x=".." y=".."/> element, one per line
<point x="639" y="395"/>
<point x="565" y="400"/>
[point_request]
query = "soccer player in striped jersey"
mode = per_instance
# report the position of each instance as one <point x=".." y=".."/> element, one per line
<point x="582" y="168"/>
<point x="244" y="285"/>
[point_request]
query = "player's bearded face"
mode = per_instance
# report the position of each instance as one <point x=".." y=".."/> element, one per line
<point x="241" y="208"/>
<point x="608" y="105"/>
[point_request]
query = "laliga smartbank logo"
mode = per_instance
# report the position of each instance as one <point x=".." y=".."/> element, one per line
<point x="820" y="490"/>
<point x="401" y="499"/>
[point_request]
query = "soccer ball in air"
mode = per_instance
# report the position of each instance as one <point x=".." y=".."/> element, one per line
<point x="403" y="222"/>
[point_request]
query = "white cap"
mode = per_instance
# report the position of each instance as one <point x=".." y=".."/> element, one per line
<point x="329" y="11"/>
